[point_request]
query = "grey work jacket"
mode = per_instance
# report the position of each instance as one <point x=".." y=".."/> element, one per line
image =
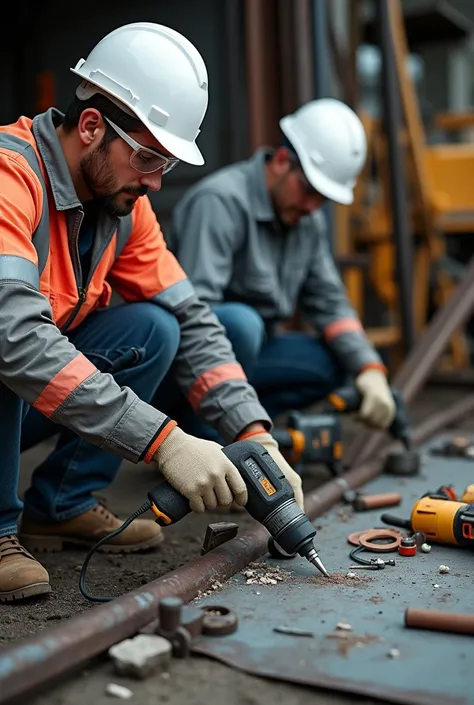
<point x="226" y="236"/>
<point x="40" y="215"/>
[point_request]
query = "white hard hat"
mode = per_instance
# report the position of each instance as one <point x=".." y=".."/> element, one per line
<point x="330" y="142"/>
<point x="159" y="76"/>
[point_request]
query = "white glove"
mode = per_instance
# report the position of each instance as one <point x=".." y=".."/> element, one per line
<point x="266" y="440"/>
<point x="378" y="406"/>
<point x="200" y="471"/>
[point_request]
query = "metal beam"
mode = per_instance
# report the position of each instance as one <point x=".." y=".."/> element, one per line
<point x="262" y="78"/>
<point x="392" y="118"/>
<point x="422" y="360"/>
<point x="322" y="50"/>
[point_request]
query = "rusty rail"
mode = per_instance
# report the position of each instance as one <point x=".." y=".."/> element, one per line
<point x="37" y="661"/>
<point x="421" y="361"/>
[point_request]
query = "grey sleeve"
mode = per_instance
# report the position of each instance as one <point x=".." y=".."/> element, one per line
<point x="43" y="368"/>
<point x="210" y="376"/>
<point x="204" y="234"/>
<point x="324" y="303"/>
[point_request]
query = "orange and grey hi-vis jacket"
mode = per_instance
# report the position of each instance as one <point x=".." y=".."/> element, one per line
<point x="42" y="296"/>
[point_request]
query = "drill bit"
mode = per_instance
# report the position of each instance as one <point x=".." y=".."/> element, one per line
<point x="316" y="561"/>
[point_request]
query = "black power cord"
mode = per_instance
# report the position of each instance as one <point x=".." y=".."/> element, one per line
<point x="82" y="579"/>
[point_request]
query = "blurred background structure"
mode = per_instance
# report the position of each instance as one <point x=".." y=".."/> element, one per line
<point x="406" y="66"/>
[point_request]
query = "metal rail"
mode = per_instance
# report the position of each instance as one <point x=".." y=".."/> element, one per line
<point x="423" y="358"/>
<point x="37" y="661"/>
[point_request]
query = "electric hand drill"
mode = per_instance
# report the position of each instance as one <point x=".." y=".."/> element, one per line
<point x="349" y="399"/>
<point x="271" y="501"/>
<point x="317" y="438"/>
<point x="311" y="438"/>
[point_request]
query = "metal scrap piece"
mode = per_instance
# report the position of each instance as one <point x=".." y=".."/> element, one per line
<point x="218" y="533"/>
<point x="292" y="631"/>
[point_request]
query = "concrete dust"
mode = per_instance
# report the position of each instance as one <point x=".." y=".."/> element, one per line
<point x="264" y="574"/>
<point x="347" y="640"/>
<point x="357" y="581"/>
<point x="376" y="599"/>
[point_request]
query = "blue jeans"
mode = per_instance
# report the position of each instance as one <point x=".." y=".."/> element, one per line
<point x="137" y="344"/>
<point x="288" y="371"/>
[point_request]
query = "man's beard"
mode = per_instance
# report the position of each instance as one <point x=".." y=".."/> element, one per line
<point x="101" y="182"/>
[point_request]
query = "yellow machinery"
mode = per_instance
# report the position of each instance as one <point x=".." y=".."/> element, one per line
<point x="440" y="204"/>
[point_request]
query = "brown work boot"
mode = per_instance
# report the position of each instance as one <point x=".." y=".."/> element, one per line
<point x="21" y="575"/>
<point x="86" y="529"/>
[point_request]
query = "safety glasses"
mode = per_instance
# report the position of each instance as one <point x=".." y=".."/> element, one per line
<point x="143" y="159"/>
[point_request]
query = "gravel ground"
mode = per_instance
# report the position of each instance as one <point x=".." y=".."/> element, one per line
<point x="195" y="681"/>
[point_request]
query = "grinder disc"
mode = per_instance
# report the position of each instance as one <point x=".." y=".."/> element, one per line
<point x="406" y="462"/>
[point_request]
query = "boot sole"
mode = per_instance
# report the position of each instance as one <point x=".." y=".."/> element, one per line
<point x="25" y="592"/>
<point x="55" y="544"/>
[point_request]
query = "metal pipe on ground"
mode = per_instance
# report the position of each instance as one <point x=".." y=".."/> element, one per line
<point x="35" y="662"/>
<point x="422" y="360"/>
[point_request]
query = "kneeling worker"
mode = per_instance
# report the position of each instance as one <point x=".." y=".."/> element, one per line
<point x="252" y="239"/>
<point x="75" y="220"/>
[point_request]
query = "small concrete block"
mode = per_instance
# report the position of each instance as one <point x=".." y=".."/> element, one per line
<point x="118" y="691"/>
<point x="141" y="656"/>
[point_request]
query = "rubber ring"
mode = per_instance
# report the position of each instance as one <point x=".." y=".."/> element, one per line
<point x="355" y="536"/>
<point x="366" y="540"/>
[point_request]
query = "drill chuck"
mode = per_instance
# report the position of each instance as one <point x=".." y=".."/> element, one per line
<point x="290" y="527"/>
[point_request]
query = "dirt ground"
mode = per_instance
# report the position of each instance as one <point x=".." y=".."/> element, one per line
<point x="195" y="681"/>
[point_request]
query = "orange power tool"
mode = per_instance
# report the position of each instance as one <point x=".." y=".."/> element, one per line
<point x="441" y="518"/>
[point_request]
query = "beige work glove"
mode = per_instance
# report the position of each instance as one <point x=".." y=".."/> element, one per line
<point x="378" y="406"/>
<point x="200" y="471"/>
<point x="266" y="440"/>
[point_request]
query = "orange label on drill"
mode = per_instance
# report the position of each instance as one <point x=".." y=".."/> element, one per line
<point x="325" y="438"/>
<point x="267" y="486"/>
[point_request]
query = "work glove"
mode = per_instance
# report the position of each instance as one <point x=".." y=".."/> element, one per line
<point x="266" y="440"/>
<point x="378" y="406"/>
<point x="200" y="471"/>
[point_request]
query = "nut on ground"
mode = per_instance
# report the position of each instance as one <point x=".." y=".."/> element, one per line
<point x="343" y="626"/>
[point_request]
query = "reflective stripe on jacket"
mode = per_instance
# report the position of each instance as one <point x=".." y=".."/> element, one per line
<point x="43" y="295"/>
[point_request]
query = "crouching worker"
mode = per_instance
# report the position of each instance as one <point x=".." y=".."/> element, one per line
<point x="75" y="220"/>
<point x="252" y="239"/>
